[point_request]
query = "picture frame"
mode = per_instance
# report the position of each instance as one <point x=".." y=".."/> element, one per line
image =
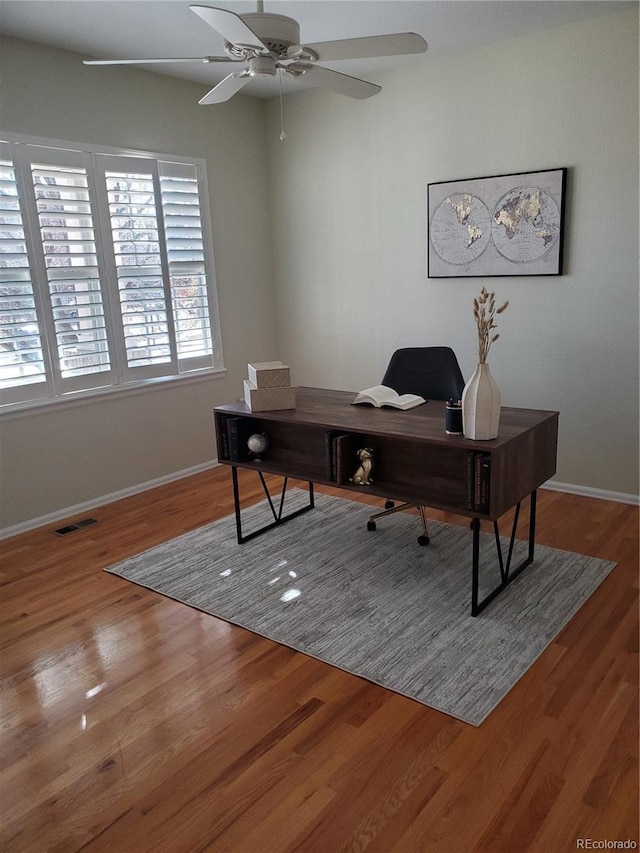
<point x="502" y="225"/>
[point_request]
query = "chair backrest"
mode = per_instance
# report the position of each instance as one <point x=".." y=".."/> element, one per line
<point x="431" y="372"/>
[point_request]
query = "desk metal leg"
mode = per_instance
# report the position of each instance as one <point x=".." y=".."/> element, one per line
<point x="278" y="517"/>
<point x="506" y="575"/>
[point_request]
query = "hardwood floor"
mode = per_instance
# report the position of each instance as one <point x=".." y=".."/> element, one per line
<point x="134" y="723"/>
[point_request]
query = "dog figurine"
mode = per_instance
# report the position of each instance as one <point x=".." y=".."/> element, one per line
<point x="362" y="475"/>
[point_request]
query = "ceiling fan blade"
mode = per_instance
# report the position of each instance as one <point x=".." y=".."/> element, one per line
<point x="324" y="78"/>
<point x="368" y="46"/>
<point x="157" y="61"/>
<point x="225" y="89"/>
<point x="229" y="25"/>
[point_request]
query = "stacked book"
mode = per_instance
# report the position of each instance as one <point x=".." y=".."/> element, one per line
<point x="478" y="481"/>
<point x="269" y="387"/>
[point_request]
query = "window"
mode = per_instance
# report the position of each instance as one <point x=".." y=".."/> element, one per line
<point x="105" y="270"/>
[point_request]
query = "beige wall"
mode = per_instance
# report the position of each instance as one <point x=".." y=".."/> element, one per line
<point x="65" y="457"/>
<point x="349" y="186"/>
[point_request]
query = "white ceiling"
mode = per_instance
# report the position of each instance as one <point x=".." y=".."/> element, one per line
<point x="132" y="29"/>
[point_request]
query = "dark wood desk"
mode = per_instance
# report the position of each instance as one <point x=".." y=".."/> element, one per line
<point x="415" y="460"/>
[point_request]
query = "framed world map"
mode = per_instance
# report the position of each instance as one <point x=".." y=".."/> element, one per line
<point x="500" y="225"/>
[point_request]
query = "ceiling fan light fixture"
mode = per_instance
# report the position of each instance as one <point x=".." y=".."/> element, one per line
<point x="262" y="66"/>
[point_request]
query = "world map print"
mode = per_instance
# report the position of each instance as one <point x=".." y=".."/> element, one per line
<point x="461" y="228"/>
<point x="525" y="224"/>
<point x="496" y="226"/>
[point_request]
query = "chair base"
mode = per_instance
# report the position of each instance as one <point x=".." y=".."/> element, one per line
<point x="391" y="508"/>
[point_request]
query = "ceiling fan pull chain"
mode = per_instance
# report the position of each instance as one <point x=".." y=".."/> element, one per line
<point x="283" y="135"/>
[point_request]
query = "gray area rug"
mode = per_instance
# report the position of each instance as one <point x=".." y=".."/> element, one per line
<point x="376" y="604"/>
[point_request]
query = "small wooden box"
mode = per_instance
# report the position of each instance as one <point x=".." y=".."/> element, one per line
<point x="269" y="374"/>
<point x="268" y="399"/>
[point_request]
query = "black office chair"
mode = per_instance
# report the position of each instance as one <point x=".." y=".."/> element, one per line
<point x="432" y="373"/>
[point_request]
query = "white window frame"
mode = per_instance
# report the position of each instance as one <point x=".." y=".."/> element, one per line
<point x="119" y="379"/>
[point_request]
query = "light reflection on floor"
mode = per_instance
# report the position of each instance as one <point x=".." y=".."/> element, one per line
<point x="289" y="594"/>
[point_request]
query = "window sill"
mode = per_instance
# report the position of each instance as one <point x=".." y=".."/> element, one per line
<point x="81" y="398"/>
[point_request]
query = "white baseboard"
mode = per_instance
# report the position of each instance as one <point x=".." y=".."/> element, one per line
<point x="80" y="509"/>
<point x="589" y="492"/>
<point x="87" y="506"/>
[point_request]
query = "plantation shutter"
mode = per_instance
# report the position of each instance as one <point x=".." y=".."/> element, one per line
<point x="136" y="258"/>
<point x="66" y="232"/>
<point x="58" y="198"/>
<point x="181" y="207"/>
<point x="23" y="373"/>
<point x="104" y="261"/>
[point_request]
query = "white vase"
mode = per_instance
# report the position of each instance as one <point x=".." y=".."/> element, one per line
<point x="481" y="405"/>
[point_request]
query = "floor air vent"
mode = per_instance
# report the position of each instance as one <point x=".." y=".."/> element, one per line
<point x="77" y="525"/>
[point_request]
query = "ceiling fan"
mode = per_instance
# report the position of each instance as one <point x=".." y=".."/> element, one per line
<point x="265" y="43"/>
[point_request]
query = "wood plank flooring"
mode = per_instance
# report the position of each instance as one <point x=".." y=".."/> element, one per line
<point x="132" y="723"/>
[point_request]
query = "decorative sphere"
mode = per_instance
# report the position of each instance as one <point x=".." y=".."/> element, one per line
<point x="257" y="443"/>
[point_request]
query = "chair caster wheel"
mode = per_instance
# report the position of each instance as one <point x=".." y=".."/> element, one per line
<point x="423" y="540"/>
<point x="389" y="504"/>
<point x="371" y="525"/>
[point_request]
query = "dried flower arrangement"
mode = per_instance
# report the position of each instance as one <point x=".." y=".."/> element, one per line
<point x="484" y="313"/>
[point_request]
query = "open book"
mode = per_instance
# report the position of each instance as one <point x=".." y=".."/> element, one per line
<point x="381" y="395"/>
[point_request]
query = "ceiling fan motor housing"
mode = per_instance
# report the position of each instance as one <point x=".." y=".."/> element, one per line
<point x="277" y="32"/>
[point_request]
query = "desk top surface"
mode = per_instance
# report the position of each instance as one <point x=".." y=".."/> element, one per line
<point x="334" y="410"/>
